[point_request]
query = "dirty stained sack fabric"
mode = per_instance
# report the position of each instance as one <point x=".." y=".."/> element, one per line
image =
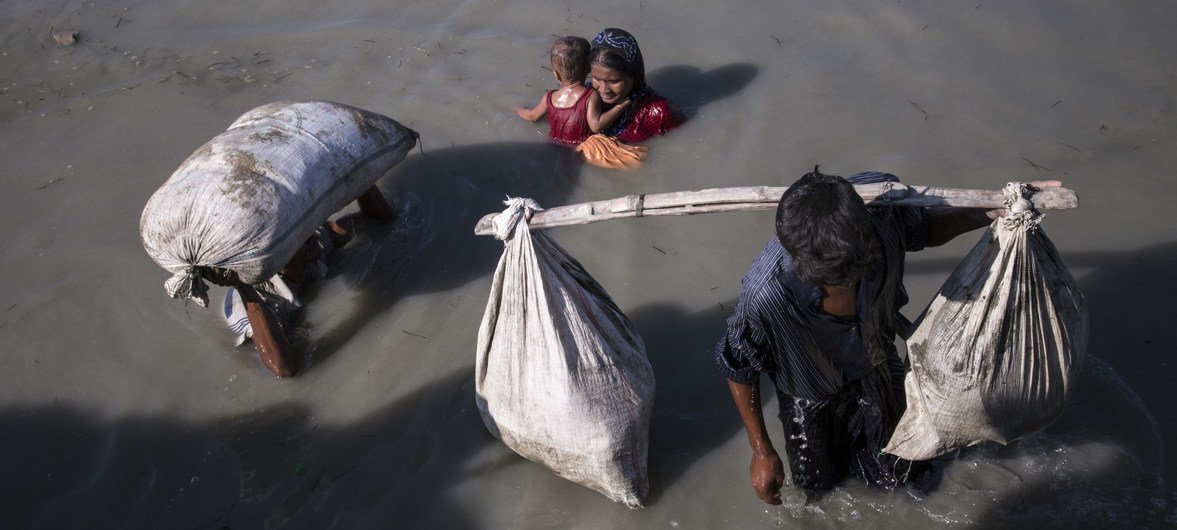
<point x="250" y="197"/>
<point x="561" y="374"/>
<point x="994" y="355"/>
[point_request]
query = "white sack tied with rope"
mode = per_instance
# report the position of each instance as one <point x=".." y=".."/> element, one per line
<point x="994" y="355"/>
<point x="561" y="374"/>
<point x="250" y="197"/>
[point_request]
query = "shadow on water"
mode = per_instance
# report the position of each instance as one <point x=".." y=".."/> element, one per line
<point x="1073" y="260"/>
<point x="444" y="192"/>
<point x="432" y="246"/>
<point x="690" y="88"/>
<point x="692" y="412"/>
<point x="1132" y="331"/>
<point x="1131" y="334"/>
<point x="280" y="467"/>
<point x="272" y="468"/>
<point x="1103" y="462"/>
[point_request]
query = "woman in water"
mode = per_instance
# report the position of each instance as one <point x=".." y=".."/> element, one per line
<point x="618" y="73"/>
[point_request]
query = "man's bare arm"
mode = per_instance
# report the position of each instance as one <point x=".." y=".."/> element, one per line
<point x="944" y="224"/>
<point x="766" y="470"/>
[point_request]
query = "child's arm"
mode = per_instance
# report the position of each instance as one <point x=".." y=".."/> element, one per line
<point x="598" y="120"/>
<point x="535" y="113"/>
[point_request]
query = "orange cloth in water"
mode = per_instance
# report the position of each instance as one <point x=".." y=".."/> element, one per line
<point x="607" y="152"/>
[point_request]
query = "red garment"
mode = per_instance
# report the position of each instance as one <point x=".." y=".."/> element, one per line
<point x="569" y="126"/>
<point x="649" y="115"/>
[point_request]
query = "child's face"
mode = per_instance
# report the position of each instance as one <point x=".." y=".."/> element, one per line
<point x="613" y="86"/>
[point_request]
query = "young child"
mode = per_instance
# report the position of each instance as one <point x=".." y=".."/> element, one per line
<point x="573" y="110"/>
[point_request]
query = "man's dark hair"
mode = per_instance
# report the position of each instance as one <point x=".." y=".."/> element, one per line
<point x="570" y="58"/>
<point x="824" y="225"/>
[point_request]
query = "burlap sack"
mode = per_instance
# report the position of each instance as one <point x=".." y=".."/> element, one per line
<point x="994" y="355"/>
<point x="561" y="374"/>
<point x="250" y="197"/>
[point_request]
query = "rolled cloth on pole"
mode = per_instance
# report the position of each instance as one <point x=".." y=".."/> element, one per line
<point x="994" y="355"/>
<point x="561" y="375"/>
<point x="250" y="197"/>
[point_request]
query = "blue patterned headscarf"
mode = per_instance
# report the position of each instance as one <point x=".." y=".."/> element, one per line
<point x="622" y="47"/>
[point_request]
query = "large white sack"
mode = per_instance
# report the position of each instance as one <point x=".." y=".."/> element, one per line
<point x="561" y="374"/>
<point x="251" y="196"/>
<point x="994" y="355"/>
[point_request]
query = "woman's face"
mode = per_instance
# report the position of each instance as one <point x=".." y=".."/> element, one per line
<point x="613" y="86"/>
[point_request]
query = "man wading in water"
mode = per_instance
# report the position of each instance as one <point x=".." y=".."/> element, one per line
<point x="818" y="313"/>
<point x="260" y="311"/>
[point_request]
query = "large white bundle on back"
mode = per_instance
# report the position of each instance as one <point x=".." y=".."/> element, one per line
<point x="250" y="197"/>
<point x="995" y="353"/>
<point x="561" y="374"/>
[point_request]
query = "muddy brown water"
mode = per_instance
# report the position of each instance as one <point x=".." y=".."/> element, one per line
<point x="122" y="408"/>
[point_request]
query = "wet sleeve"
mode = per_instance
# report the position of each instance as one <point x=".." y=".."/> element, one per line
<point x="744" y="351"/>
<point x="661" y="117"/>
<point x="655" y="119"/>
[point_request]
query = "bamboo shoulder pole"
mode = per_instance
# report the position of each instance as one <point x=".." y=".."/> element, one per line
<point x="747" y="199"/>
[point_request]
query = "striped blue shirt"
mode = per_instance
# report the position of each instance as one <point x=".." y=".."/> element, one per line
<point x="778" y="328"/>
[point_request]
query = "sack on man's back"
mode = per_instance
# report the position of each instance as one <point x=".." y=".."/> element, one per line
<point x="561" y="375"/>
<point x="249" y="198"/>
<point x="994" y="355"/>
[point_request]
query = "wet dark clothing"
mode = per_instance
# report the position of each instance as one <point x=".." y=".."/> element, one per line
<point x="839" y="380"/>
<point x="778" y="327"/>
<point x="569" y="126"/>
<point x="844" y="434"/>
<point x="647" y="115"/>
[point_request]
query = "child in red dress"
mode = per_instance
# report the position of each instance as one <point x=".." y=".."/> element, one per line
<point x="573" y="110"/>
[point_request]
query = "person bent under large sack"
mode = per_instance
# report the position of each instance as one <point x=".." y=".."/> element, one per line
<point x="260" y="311"/>
<point x="818" y="313"/>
